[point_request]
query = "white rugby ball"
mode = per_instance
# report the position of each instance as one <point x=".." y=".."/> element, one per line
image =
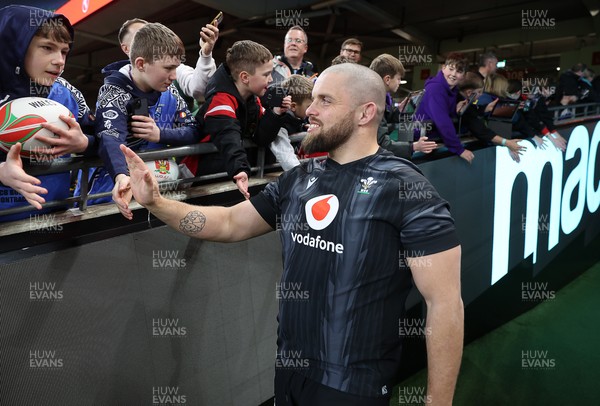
<point x="164" y="170"/>
<point x="20" y="120"/>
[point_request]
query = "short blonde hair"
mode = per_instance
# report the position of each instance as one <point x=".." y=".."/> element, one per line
<point x="155" y="41"/>
<point x="386" y="64"/>
<point x="299" y="87"/>
<point x="340" y="59"/>
<point x="497" y="85"/>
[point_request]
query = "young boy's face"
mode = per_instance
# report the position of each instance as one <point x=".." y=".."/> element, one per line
<point x="452" y="75"/>
<point x="45" y="60"/>
<point x="260" y="79"/>
<point x="159" y="74"/>
<point x="300" y="109"/>
<point x="393" y="83"/>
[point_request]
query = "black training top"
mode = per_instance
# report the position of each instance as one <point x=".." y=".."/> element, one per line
<point x="346" y="230"/>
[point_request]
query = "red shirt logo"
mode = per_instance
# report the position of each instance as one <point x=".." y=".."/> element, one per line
<point x="321" y="210"/>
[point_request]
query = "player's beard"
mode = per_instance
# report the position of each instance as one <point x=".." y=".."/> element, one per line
<point x="330" y="138"/>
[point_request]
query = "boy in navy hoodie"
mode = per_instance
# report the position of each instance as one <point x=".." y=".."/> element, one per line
<point x="155" y="54"/>
<point x="31" y="67"/>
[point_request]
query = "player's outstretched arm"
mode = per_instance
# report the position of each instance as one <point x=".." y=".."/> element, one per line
<point x="437" y="277"/>
<point x="214" y="223"/>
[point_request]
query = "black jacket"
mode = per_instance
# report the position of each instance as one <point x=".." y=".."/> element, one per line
<point x="226" y="119"/>
<point x="402" y="149"/>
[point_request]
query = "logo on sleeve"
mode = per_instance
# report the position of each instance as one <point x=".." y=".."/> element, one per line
<point x="321" y="210"/>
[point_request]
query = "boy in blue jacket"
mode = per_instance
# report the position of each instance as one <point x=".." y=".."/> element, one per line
<point x="31" y="67"/>
<point x="155" y="54"/>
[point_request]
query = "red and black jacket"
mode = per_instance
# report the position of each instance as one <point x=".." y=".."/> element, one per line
<point x="226" y="119"/>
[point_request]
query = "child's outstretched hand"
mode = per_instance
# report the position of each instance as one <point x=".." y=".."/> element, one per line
<point x="241" y="180"/>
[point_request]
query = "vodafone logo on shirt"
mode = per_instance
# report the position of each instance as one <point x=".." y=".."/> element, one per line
<point x="321" y="210"/>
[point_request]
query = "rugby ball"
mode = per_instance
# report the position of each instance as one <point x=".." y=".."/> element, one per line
<point x="164" y="170"/>
<point x="20" y="120"/>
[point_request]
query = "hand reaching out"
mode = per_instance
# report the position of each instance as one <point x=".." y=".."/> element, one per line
<point x="491" y="106"/>
<point x="144" y="185"/>
<point x="515" y="147"/>
<point x="121" y="195"/>
<point x="241" y="180"/>
<point x="557" y="140"/>
<point x="467" y="156"/>
<point x="539" y="142"/>
<point x="424" y="146"/>
<point x="13" y="175"/>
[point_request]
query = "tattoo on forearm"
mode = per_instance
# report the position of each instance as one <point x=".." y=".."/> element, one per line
<point x="193" y="222"/>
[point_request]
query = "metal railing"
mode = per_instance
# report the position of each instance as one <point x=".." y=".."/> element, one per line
<point x="577" y="112"/>
<point x="580" y="112"/>
<point x="85" y="164"/>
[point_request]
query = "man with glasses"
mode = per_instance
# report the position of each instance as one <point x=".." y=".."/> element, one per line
<point x="292" y="62"/>
<point x="351" y="49"/>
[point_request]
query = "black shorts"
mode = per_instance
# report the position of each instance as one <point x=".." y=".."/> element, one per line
<point x="293" y="389"/>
